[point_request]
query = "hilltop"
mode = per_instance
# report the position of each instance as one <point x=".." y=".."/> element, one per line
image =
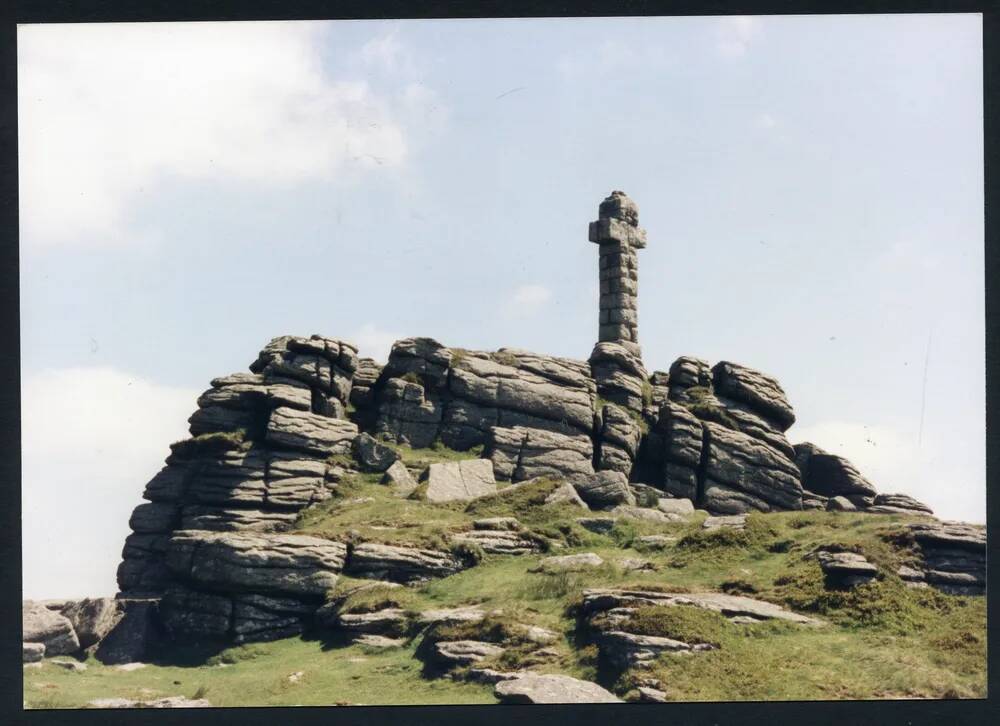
<point x="482" y="526"/>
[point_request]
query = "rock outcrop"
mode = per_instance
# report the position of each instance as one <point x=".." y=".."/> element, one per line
<point x="604" y="489"/>
<point x="400" y="564"/>
<point x="259" y="454"/>
<point x="211" y="539"/>
<point x="830" y="475"/>
<point x="93" y="618"/>
<point x="954" y="555"/>
<point x="846" y="569"/>
<point x="47" y="627"/>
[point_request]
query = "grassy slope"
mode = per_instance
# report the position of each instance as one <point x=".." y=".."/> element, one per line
<point x="882" y="640"/>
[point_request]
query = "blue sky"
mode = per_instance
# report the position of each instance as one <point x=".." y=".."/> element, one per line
<point x="811" y="188"/>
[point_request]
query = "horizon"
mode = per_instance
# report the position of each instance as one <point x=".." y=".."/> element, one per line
<point x="811" y="188"/>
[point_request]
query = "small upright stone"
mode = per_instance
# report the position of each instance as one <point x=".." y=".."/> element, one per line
<point x="372" y="455"/>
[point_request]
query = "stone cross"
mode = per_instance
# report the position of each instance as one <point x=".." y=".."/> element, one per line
<point x="618" y="233"/>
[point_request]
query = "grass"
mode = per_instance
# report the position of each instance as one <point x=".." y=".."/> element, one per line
<point x="647" y="393"/>
<point x="413" y="377"/>
<point x="782" y="662"/>
<point x="505" y="358"/>
<point x="373" y="598"/>
<point x="347" y="676"/>
<point x="437" y="453"/>
<point x="366" y="511"/>
<point x="882" y="639"/>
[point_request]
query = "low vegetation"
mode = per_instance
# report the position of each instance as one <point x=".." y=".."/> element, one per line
<point x="880" y="640"/>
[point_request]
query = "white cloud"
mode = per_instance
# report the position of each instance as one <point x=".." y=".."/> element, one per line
<point x="91" y="439"/>
<point x="527" y="300"/>
<point x="733" y="34"/>
<point x="105" y="111"/>
<point x="766" y="121"/>
<point x="373" y="342"/>
<point x="937" y="472"/>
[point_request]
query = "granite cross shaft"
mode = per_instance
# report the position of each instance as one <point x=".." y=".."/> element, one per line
<point x="619" y="236"/>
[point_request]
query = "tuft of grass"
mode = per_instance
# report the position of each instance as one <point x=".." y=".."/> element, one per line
<point x="366" y="511"/>
<point x="239" y="654"/>
<point x="702" y="403"/>
<point x="201" y="692"/>
<point x="343" y="460"/>
<point x="738" y="586"/>
<point x="470" y="553"/>
<point x="413" y="377"/>
<point x="600" y="403"/>
<point x="647" y="393"/>
<point x="520" y="499"/>
<point x="758" y="534"/>
<point x="436" y="453"/>
<point x="379" y="597"/>
<point x="500" y="628"/>
<point x="505" y="358"/>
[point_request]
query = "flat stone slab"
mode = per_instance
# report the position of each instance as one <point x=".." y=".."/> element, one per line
<point x="958" y="535"/>
<point x="597" y="525"/>
<point x="846" y="563"/>
<point x="840" y="504"/>
<point x="451" y="616"/>
<point x="535" y="688"/>
<point x="379" y="642"/>
<point x="498" y="542"/>
<point x="682" y="507"/>
<point x="598" y="600"/>
<point x="460" y="481"/>
<point x="391" y="621"/>
<point x="734" y="521"/>
<point x="655" y="541"/>
<point x="400" y="564"/>
<point x="497" y="524"/>
<point x="645" y="514"/>
<point x="492" y="676"/>
<point x="463" y="652"/>
<point x="651" y="695"/>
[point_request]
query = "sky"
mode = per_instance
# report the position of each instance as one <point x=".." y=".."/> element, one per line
<point x="811" y="187"/>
